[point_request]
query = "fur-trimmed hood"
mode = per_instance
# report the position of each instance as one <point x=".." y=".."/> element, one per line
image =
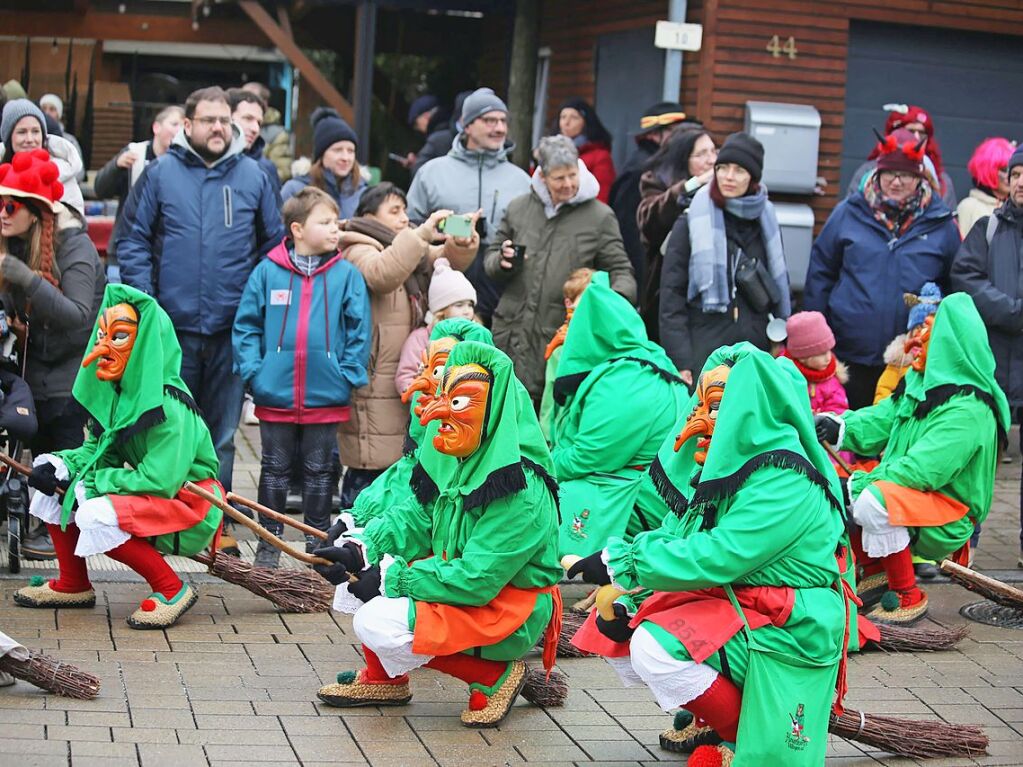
<point x="895" y="352"/>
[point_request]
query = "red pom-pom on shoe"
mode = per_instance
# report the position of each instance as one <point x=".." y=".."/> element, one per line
<point x="705" y="756"/>
<point x="477" y="701"/>
<point x="148" y="605"/>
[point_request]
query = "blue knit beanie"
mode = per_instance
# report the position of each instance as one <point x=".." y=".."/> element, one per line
<point x="328" y="129"/>
<point x="928" y="300"/>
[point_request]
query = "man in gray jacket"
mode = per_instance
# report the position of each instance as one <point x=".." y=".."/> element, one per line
<point x="475" y="175"/>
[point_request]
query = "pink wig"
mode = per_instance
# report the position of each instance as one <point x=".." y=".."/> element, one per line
<point x="990" y="157"/>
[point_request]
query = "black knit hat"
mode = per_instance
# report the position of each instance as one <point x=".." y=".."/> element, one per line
<point x="745" y="151"/>
<point x="329" y="128"/>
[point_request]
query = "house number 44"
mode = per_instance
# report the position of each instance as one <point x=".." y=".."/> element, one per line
<point x="777" y="48"/>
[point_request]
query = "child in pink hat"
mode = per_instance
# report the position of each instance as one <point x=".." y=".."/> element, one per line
<point x="809" y="346"/>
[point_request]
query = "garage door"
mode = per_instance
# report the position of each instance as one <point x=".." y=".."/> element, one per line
<point x="968" y="82"/>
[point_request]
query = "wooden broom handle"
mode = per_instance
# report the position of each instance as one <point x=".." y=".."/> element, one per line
<point x="276" y="515"/>
<point x="837" y="458"/>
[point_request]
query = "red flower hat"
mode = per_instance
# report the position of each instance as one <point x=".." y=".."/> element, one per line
<point x="31" y="175"/>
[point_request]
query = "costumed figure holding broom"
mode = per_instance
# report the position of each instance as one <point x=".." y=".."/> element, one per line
<point x="123" y="491"/>
<point x="461" y="579"/>
<point x="748" y="624"/>
<point x="940" y="433"/>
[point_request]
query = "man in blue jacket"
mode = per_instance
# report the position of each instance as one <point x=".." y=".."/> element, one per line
<point x="203" y="215"/>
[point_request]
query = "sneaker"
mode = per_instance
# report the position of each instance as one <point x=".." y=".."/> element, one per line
<point x="928" y="570"/>
<point x="249" y="413"/>
<point x="39" y="547"/>
<point x="267" y="556"/>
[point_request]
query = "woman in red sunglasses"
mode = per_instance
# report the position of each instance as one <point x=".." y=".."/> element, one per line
<point x="52" y="285"/>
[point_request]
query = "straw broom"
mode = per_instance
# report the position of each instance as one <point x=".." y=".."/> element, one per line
<point x="913" y="738"/>
<point x="990" y="588"/>
<point x="918" y="639"/>
<point x="52" y="675"/>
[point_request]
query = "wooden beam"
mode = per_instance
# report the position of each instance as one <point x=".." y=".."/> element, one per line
<point x="96" y="25"/>
<point x="299" y="60"/>
<point x="284" y="20"/>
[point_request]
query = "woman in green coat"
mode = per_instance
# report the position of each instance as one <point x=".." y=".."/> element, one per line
<point x="758" y="526"/>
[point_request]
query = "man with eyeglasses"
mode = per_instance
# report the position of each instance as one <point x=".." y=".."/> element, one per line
<point x="988" y="267"/>
<point x="476" y="174"/>
<point x="200" y="217"/>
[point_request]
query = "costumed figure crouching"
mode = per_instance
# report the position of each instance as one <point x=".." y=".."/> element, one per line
<point x="462" y="578"/>
<point x="123" y="493"/>
<point x="938" y="436"/>
<point x="747" y="622"/>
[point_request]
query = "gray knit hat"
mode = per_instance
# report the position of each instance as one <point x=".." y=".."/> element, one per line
<point x="478" y="103"/>
<point x="13" y="112"/>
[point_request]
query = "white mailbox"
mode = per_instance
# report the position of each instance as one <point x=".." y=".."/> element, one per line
<point x="790" y="134"/>
<point x="796" y="224"/>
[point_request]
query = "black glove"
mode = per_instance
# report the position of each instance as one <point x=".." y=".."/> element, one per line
<point x="346" y="558"/>
<point x="368" y="585"/>
<point x="335" y="531"/>
<point x="828" y="428"/>
<point x="593" y="570"/>
<point x="617" y="630"/>
<point x="44" y="479"/>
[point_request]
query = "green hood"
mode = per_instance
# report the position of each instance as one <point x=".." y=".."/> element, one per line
<point x="764" y="419"/>
<point x="511" y="440"/>
<point x="137" y="401"/>
<point x="605" y="327"/>
<point x="959" y="361"/>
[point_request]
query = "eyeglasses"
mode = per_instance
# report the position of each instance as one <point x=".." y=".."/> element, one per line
<point x="10" y="207"/>
<point x="493" y="122"/>
<point x="901" y="177"/>
<point x="209" y="122"/>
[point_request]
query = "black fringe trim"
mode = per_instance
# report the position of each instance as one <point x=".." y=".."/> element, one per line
<point x="667" y="375"/>
<point x="424" y="488"/>
<point x="552" y="484"/>
<point x="939" y="395"/>
<point x="724" y="487"/>
<point x="670" y="494"/>
<point x="899" y="390"/>
<point x="147" y="420"/>
<point x="183" y="397"/>
<point x="567" y="385"/>
<point x="408" y="446"/>
<point x="501" y="482"/>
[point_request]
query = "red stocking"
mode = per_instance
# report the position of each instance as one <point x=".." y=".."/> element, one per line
<point x="469" y="669"/>
<point x="74" y="577"/>
<point x="375" y="673"/>
<point x="870" y="565"/>
<point x="901" y="577"/>
<point x="141" y="557"/>
<point x="719" y="707"/>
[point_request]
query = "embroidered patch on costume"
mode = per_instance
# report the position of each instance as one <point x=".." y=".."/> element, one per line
<point x="796" y="740"/>
<point x="280" y="298"/>
<point x="578" y="522"/>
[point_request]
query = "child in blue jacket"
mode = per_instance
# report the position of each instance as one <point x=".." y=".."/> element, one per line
<point x="301" y="343"/>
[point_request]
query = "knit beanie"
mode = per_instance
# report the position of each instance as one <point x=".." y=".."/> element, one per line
<point x="809" y="335"/>
<point x="328" y="129"/>
<point x="54" y="100"/>
<point x="901" y="151"/>
<point x="1016" y="158"/>
<point x="924" y="305"/>
<point x="448" y="286"/>
<point x="13" y="112"/>
<point x="745" y="151"/>
<point x="478" y="103"/>
<point x="424" y="103"/>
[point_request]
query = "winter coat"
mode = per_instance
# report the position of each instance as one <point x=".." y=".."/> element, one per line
<point x="896" y="362"/>
<point x="828" y="396"/>
<point x="373" y="437"/>
<point x="466" y="180"/>
<point x="301" y="342"/>
<point x="993" y="276"/>
<point x="596" y="155"/>
<point x="976" y="205"/>
<point x="347" y="199"/>
<point x="437" y="145"/>
<point x="688" y="333"/>
<point x="625" y="202"/>
<point x="60" y="319"/>
<point x="858" y="274"/>
<point x="197" y="232"/>
<point x="582" y="232"/>
<point x="68" y="160"/>
<point x="256" y="153"/>
<point x="411" y="357"/>
<point x="862" y="173"/>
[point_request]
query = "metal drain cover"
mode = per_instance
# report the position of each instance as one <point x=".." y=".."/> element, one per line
<point x="993" y="614"/>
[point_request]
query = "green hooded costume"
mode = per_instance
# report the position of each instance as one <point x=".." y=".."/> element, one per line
<point x="392" y="486"/>
<point x="940" y="430"/>
<point x="762" y="511"/>
<point x="488" y="523"/>
<point x="148" y="421"/>
<point x="617" y="397"/>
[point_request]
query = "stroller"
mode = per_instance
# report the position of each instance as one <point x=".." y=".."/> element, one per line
<point x="17" y="425"/>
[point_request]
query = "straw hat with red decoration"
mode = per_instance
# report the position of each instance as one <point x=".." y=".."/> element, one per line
<point x="32" y="178"/>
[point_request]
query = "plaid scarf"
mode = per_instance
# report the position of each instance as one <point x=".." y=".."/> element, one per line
<point x="893" y="216"/>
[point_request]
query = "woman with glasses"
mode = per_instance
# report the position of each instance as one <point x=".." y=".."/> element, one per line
<point x="878" y="244"/>
<point x="724" y="273"/>
<point x="335" y="169"/>
<point x="989" y="170"/>
<point x="680" y="168"/>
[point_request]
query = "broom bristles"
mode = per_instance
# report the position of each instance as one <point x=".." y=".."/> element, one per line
<point x="571" y="622"/>
<point x="52" y="675"/>
<point x="913" y="738"/>
<point x="915" y="639"/>
<point x="543" y="691"/>
<point x="293" y="591"/>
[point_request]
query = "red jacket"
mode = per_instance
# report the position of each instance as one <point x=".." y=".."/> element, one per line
<point x="597" y="156"/>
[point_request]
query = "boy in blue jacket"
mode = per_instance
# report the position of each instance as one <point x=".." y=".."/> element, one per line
<point x="301" y="345"/>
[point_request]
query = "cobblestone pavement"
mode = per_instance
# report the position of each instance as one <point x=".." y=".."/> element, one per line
<point x="235" y="682"/>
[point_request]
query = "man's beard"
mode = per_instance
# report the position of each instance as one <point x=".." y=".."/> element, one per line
<point x="204" y="152"/>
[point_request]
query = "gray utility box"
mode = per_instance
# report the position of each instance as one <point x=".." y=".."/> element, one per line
<point x="796" y="224"/>
<point x="790" y="134"/>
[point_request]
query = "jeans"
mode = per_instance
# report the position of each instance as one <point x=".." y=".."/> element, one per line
<point x="311" y="446"/>
<point x="354" y="482"/>
<point x="206" y="363"/>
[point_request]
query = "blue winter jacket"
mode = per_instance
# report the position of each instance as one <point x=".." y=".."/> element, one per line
<point x="347" y="199"/>
<point x="858" y="274"/>
<point x="301" y="343"/>
<point x="196" y="232"/>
